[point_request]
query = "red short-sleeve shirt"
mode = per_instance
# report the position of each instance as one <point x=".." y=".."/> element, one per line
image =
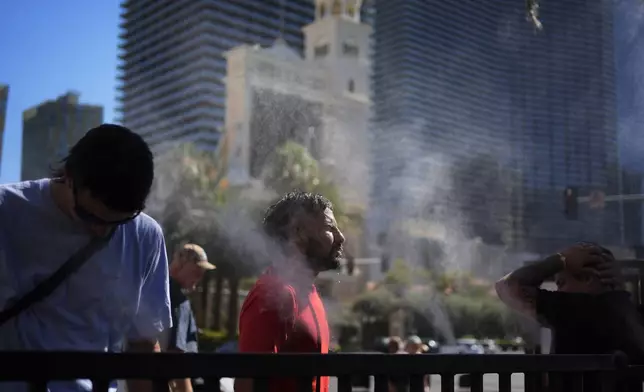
<point x="276" y="317"/>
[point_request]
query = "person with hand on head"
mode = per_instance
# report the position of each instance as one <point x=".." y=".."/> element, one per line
<point x="188" y="266"/>
<point x="83" y="268"/>
<point x="283" y="312"/>
<point x="589" y="313"/>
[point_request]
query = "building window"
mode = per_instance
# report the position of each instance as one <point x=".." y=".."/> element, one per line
<point x="350" y="49"/>
<point x="320" y="51"/>
<point x="351" y="86"/>
<point x="337" y="7"/>
<point x="351" y="10"/>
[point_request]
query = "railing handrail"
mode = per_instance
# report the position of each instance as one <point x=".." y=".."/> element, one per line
<point x="84" y="365"/>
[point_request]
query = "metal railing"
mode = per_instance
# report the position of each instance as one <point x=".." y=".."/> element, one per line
<point x="38" y="368"/>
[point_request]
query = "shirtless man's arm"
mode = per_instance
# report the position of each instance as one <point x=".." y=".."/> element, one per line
<point x="520" y="288"/>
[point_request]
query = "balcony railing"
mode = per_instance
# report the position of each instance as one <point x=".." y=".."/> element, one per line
<point x="38" y="368"/>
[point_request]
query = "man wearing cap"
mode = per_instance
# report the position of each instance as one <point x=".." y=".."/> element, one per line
<point x="188" y="266"/>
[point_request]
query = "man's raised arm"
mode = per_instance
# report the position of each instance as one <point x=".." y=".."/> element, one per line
<point x="519" y="289"/>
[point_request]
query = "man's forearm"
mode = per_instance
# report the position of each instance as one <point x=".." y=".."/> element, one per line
<point x="181" y="385"/>
<point x="519" y="289"/>
<point x="533" y="275"/>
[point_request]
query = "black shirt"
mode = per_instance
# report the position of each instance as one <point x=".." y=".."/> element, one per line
<point x="183" y="334"/>
<point x="591" y="324"/>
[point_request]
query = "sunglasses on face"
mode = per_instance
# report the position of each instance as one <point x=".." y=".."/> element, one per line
<point x="90" y="218"/>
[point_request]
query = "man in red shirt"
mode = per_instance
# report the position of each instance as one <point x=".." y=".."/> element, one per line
<point x="283" y="312"/>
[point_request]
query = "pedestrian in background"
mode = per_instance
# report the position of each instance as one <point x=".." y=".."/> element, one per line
<point x="188" y="266"/>
<point x="414" y="345"/>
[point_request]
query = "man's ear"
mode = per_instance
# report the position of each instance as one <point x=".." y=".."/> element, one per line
<point x="297" y="237"/>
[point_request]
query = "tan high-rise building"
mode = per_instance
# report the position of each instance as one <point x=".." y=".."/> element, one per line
<point x="321" y="100"/>
<point x="50" y="129"/>
<point x="4" y="97"/>
<point x="172" y="65"/>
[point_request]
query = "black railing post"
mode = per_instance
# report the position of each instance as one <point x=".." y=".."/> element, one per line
<point x="476" y="380"/>
<point x="100" y="385"/>
<point x="260" y="384"/>
<point x="447" y="382"/>
<point x="38" y="386"/>
<point x="622" y="379"/>
<point x="416" y="383"/>
<point x="607" y="380"/>
<point x="577" y="382"/>
<point x="304" y="384"/>
<point x="530" y="381"/>
<point x="344" y="384"/>
<point x="381" y="383"/>
<point x="505" y="382"/>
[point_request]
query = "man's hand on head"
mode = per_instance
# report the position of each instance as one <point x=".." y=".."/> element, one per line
<point x="519" y="289"/>
<point x="582" y="258"/>
<point x="609" y="272"/>
<point x="595" y="261"/>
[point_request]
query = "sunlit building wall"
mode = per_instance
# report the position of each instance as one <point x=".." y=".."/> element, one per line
<point x="629" y="58"/>
<point x="172" y="69"/>
<point x="50" y="129"/>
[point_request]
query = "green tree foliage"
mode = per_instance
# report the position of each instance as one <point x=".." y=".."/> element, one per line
<point x="191" y="198"/>
<point x="479" y="316"/>
<point x="378" y="304"/>
<point x="294" y="168"/>
<point x="468" y="304"/>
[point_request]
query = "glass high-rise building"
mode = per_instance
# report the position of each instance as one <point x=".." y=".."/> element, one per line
<point x="479" y="115"/>
<point x="173" y="69"/>
<point x="50" y="129"/>
<point x="4" y="98"/>
<point x="629" y="57"/>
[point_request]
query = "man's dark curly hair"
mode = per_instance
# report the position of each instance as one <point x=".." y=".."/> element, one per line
<point x="280" y="215"/>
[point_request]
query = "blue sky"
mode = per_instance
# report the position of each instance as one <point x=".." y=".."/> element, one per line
<point x="49" y="47"/>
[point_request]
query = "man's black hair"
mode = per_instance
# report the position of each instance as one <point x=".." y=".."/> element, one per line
<point x="114" y="164"/>
<point x="280" y="215"/>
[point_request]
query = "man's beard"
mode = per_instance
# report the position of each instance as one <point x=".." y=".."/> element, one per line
<point x="328" y="262"/>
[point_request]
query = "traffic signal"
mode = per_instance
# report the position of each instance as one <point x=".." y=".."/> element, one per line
<point x="571" y="206"/>
<point x="384" y="263"/>
<point x="351" y="265"/>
